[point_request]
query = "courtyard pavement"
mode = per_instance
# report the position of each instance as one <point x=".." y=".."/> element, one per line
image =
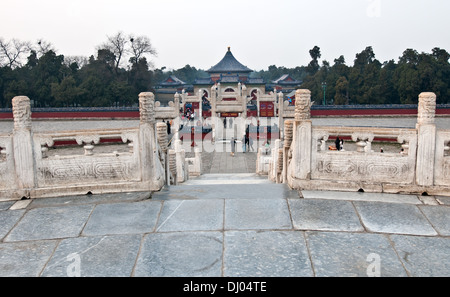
<point x="227" y="224"/>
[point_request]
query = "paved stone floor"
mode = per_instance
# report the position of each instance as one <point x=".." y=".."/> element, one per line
<point x="223" y="224"/>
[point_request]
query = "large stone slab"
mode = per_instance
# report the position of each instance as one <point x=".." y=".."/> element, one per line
<point x="123" y="218"/>
<point x="106" y="256"/>
<point x="443" y="200"/>
<point x="90" y="199"/>
<point x="439" y="217"/>
<point x="266" y="254"/>
<point x="225" y="191"/>
<point x="424" y="256"/>
<point x="181" y="254"/>
<point x="191" y="215"/>
<point x="25" y="259"/>
<point x="326" y="215"/>
<point x="257" y="214"/>
<point x="51" y="223"/>
<point x="8" y="219"/>
<point x="394" y="218"/>
<point x="4" y="205"/>
<point x="352" y="255"/>
<point x="358" y="196"/>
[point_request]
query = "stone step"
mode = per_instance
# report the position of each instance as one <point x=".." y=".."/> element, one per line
<point x="228" y="179"/>
<point x="227" y="186"/>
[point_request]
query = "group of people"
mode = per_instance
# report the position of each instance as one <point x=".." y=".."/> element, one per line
<point x="247" y="144"/>
<point x="189" y="114"/>
<point x="339" y="145"/>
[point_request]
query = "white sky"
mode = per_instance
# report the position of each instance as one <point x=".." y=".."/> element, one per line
<point x="260" y="32"/>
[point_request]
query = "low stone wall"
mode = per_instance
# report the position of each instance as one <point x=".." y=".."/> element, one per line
<point x="422" y="165"/>
<point x="26" y="169"/>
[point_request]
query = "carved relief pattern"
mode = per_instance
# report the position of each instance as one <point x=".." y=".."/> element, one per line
<point x="442" y="163"/>
<point x="77" y="171"/>
<point x="21" y="112"/>
<point x="427" y="108"/>
<point x="302" y="105"/>
<point x="386" y="170"/>
<point x="288" y="132"/>
<point x="87" y="139"/>
<point x="320" y="137"/>
<point x="147" y="108"/>
<point x="7" y="172"/>
<point x="446" y="169"/>
<point x="161" y="130"/>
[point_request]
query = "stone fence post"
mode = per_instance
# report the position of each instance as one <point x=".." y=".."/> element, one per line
<point x="426" y="140"/>
<point x="151" y="169"/>
<point x="23" y="145"/>
<point x="302" y="133"/>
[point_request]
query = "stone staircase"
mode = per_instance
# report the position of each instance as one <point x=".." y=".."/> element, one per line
<point x="227" y="186"/>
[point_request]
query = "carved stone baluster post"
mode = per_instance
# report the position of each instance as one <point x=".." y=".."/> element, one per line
<point x="161" y="129"/>
<point x="152" y="171"/>
<point x="23" y="145"/>
<point x="180" y="161"/>
<point x="288" y="130"/>
<point x="426" y="142"/>
<point x="176" y="120"/>
<point x="301" y="157"/>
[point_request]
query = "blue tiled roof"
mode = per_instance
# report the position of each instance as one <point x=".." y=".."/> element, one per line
<point x="283" y="80"/>
<point x="229" y="64"/>
<point x="203" y="81"/>
<point x="172" y="80"/>
<point x="255" y="81"/>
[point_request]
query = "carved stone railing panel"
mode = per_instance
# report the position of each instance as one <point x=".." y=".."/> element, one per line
<point x="303" y="105"/>
<point x="29" y="166"/>
<point x="91" y="167"/>
<point x="364" y="164"/>
<point x="7" y="172"/>
<point x="84" y="139"/>
<point x="442" y="165"/>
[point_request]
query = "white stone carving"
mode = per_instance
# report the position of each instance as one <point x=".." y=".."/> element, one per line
<point x="427" y="108"/>
<point x="21" y="112"/>
<point x="303" y="105"/>
<point x="147" y="107"/>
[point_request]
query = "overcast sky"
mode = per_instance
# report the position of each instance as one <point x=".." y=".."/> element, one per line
<point x="259" y="32"/>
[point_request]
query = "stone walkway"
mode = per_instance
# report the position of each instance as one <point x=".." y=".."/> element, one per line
<point x="227" y="225"/>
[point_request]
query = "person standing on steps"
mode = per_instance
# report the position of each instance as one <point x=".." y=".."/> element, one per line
<point x="233" y="146"/>
<point x="250" y="142"/>
<point x="247" y="142"/>
<point x="244" y="143"/>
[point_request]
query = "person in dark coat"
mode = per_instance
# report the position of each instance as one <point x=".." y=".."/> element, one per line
<point x="338" y="143"/>
<point x="169" y="131"/>
<point x="247" y="142"/>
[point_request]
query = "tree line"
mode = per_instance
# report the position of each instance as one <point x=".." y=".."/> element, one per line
<point x="120" y="70"/>
<point x="113" y="77"/>
<point x="368" y="81"/>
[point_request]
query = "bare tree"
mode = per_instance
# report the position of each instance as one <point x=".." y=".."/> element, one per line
<point x="43" y="47"/>
<point x="140" y="46"/>
<point x="80" y="60"/>
<point x="11" y="52"/>
<point x="116" y="44"/>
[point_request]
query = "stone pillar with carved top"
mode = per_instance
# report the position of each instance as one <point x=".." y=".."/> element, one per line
<point x="302" y="133"/>
<point x="152" y="171"/>
<point x="23" y="145"/>
<point x="426" y="141"/>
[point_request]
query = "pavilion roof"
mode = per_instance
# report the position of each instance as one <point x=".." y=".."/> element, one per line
<point x="229" y="64"/>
